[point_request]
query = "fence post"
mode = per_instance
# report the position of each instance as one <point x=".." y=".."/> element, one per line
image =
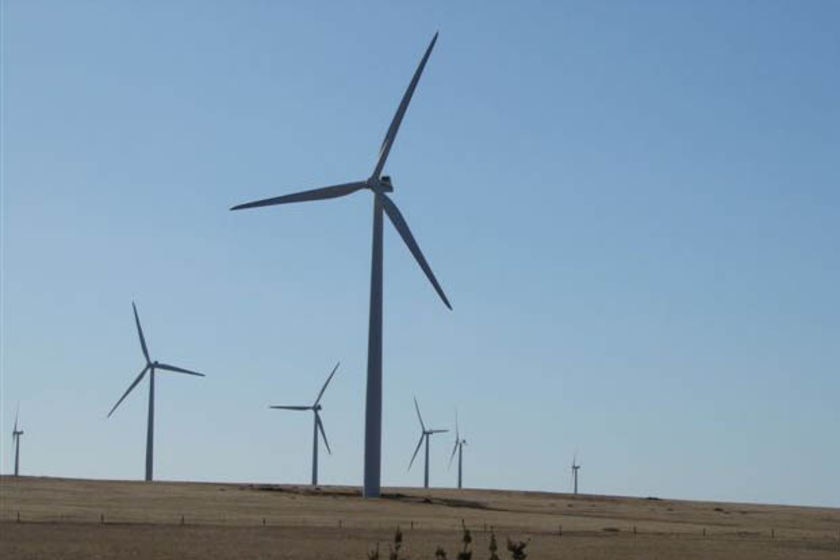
<point x="182" y="519"/>
<point x="102" y="518"/>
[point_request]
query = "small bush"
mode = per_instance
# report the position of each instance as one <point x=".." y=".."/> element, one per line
<point x="493" y="546"/>
<point x="517" y="549"/>
<point x="395" y="548"/>
<point x="466" y="539"/>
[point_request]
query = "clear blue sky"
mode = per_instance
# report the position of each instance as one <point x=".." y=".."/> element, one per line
<point x="634" y="208"/>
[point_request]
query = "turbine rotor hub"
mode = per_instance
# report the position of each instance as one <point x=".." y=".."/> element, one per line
<point x="381" y="185"/>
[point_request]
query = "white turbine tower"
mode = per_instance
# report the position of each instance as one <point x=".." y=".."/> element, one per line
<point x="459" y="447"/>
<point x="151" y="366"/>
<point x="16" y="433"/>
<point x="424" y="435"/>
<point x="317" y="424"/>
<point x="575" y="469"/>
<point x="380" y="185"/>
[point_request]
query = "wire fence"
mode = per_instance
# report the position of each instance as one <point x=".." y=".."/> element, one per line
<point x="386" y="527"/>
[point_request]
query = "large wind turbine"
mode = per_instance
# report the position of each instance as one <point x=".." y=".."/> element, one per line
<point x="318" y="425"/>
<point x="575" y="469"/>
<point x="459" y="447"/>
<point x="380" y="185"/>
<point x="16" y="439"/>
<point x="424" y="435"/>
<point x="151" y="366"/>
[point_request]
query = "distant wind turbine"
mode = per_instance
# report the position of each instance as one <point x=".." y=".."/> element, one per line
<point x="151" y="366"/>
<point x="424" y="435"/>
<point x="16" y="439"/>
<point x="575" y="469"/>
<point x="380" y="185"/>
<point x="318" y="425"/>
<point x="459" y="447"/>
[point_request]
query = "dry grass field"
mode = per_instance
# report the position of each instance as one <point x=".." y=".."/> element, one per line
<point x="70" y="519"/>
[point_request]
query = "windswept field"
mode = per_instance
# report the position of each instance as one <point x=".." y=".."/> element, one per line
<point x="63" y="518"/>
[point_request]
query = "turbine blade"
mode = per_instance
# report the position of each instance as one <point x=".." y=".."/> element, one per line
<point x="457" y="432"/>
<point x="324" y="388"/>
<point x="17" y="414"/>
<point x="323" y="193"/>
<point x="417" y="408"/>
<point x="454" y="449"/>
<point x="419" y="443"/>
<point x="402" y="227"/>
<point x="140" y="332"/>
<point x="284" y="407"/>
<point x="437" y="431"/>
<point x="130" y="387"/>
<point x="385" y="149"/>
<point x="323" y="433"/>
<point x="168" y="367"/>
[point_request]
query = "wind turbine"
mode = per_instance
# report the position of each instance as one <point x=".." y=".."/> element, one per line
<point x="318" y="425"/>
<point x="424" y="435"/>
<point x="151" y="366"/>
<point x="459" y="447"/>
<point x="380" y="185"/>
<point x="16" y="439"/>
<point x="575" y="469"/>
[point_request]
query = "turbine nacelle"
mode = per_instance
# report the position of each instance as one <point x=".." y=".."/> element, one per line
<point x="431" y="432"/>
<point x="381" y="185"/>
